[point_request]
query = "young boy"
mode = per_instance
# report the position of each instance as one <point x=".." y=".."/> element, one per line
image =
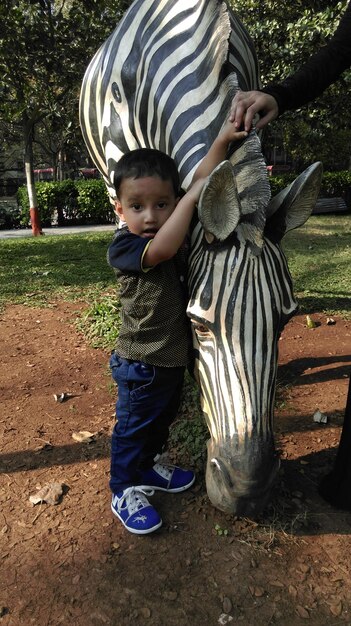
<point x="149" y="257"/>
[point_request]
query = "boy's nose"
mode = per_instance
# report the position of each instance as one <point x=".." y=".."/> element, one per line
<point x="149" y="216"/>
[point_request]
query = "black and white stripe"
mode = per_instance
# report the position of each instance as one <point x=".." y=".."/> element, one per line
<point x="165" y="79"/>
<point x="239" y="303"/>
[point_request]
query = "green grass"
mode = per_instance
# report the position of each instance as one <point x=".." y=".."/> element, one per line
<point x="319" y="257"/>
<point x="37" y="270"/>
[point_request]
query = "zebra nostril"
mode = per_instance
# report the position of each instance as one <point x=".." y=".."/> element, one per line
<point x="200" y="329"/>
<point x="216" y="463"/>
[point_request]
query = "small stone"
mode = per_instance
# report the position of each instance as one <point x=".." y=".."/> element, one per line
<point x="145" y="612"/>
<point x="225" y="619"/>
<point x="227" y="605"/>
<point x="302" y="612"/>
<point x="170" y="595"/>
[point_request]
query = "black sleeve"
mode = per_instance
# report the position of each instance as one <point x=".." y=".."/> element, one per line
<point x="320" y="71"/>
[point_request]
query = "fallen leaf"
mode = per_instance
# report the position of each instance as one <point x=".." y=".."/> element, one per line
<point x="83" y="436"/>
<point x="259" y="592"/>
<point x="336" y="609"/>
<point x="319" y="417"/>
<point x="50" y="493"/>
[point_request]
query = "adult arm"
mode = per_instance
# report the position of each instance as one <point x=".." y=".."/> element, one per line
<point x="320" y="71"/>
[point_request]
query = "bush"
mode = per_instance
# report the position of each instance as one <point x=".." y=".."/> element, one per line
<point x="93" y="204"/>
<point x="68" y="202"/>
<point x="9" y="214"/>
<point x="334" y="184"/>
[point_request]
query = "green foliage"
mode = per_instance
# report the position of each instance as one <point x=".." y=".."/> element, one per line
<point x="93" y="202"/>
<point x="101" y="321"/>
<point x="286" y="35"/>
<point x="189" y="433"/>
<point x="337" y="184"/>
<point x="221" y="532"/>
<point x="69" y="202"/>
<point x="279" y="182"/>
<point x="9" y="215"/>
<point x="334" y="184"/>
<point x="45" y="48"/>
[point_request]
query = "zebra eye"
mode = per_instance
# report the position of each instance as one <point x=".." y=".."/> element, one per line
<point x="200" y="329"/>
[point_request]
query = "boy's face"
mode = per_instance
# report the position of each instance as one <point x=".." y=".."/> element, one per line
<point x="145" y="204"/>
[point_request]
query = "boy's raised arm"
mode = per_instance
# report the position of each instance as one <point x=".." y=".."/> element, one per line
<point x="171" y="235"/>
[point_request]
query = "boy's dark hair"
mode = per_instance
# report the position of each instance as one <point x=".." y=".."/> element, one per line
<point x="146" y="162"/>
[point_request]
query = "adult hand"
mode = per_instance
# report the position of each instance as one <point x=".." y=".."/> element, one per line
<point x="246" y="104"/>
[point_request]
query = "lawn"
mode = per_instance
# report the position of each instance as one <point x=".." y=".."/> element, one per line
<point x="37" y="270"/>
<point x="319" y="257"/>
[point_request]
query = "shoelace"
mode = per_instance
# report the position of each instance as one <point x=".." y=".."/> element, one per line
<point x="135" y="499"/>
<point x="165" y="471"/>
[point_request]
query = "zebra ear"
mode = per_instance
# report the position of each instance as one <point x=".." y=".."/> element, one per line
<point x="292" y="206"/>
<point x="219" y="204"/>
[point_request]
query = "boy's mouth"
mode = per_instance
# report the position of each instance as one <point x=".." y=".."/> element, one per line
<point x="149" y="232"/>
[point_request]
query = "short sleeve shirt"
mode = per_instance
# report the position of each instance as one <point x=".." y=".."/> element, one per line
<point x="155" y="328"/>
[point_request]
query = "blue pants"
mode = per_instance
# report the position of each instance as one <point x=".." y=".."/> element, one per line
<point x="147" y="403"/>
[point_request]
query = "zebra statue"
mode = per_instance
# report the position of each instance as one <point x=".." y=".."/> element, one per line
<point x="165" y="79"/>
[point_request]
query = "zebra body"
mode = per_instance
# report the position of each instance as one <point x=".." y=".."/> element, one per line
<point x="165" y="79"/>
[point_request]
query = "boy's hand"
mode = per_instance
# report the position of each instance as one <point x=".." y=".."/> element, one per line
<point x="230" y="133"/>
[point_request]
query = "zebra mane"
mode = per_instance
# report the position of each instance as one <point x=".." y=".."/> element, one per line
<point x="165" y="79"/>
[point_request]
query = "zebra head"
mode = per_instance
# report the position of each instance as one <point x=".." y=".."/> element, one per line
<point x="241" y="296"/>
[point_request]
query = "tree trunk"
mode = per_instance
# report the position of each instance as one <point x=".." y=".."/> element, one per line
<point x="28" y="165"/>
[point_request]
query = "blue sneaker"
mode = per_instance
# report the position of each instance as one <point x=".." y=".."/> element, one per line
<point x="135" y="511"/>
<point x="167" y="478"/>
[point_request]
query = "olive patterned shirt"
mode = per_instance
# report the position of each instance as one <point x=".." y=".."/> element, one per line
<point x="155" y="328"/>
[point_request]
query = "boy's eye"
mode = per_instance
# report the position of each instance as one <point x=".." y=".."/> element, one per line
<point x="136" y="207"/>
<point x="162" y="205"/>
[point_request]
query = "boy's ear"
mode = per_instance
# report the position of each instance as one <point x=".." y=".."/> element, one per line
<point x="118" y="209"/>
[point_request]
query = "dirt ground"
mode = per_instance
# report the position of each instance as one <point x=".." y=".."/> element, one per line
<point x="73" y="563"/>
